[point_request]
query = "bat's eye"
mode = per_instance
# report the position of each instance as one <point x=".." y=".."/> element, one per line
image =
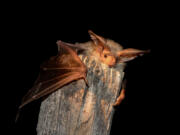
<point x="105" y="56"/>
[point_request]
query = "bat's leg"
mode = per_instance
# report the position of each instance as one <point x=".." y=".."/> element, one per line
<point x="121" y="96"/>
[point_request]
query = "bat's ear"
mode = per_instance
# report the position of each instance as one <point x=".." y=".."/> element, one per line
<point x="130" y="54"/>
<point x="98" y="40"/>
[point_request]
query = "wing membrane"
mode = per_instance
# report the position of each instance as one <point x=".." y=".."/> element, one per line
<point x="55" y="73"/>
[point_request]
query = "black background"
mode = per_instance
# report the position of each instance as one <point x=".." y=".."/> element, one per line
<point x="30" y="38"/>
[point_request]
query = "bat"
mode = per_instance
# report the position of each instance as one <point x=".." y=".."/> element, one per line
<point x="67" y="67"/>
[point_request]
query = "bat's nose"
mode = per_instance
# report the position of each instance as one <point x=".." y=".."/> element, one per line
<point x="110" y="61"/>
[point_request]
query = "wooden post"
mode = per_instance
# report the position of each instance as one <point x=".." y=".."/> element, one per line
<point x="76" y="109"/>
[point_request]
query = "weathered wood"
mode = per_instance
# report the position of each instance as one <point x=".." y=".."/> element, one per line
<point x="76" y="109"/>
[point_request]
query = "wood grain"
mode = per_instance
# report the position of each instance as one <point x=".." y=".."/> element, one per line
<point x="76" y="109"/>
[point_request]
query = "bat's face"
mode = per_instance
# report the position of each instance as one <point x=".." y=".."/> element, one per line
<point x="108" y="58"/>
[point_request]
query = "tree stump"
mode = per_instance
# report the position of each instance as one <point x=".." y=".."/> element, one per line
<point x="76" y="109"/>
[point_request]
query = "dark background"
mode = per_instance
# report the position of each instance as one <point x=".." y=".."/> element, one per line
<point x="30" y="38"/>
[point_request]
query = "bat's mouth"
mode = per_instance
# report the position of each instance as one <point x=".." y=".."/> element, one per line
<point x="112" y="64"/>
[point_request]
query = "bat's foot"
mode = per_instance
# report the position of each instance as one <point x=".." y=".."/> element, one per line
<point x="120" y="98"/>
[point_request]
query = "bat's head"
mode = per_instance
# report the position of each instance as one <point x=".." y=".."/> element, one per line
<point x="102" y="50"/>
<point x="111" y="53"/>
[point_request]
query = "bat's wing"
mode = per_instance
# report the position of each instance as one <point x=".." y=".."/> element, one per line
<point x="55" y="73"/>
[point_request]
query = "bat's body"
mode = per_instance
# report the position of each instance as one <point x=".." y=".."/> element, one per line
<point x="66" y="67"/>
